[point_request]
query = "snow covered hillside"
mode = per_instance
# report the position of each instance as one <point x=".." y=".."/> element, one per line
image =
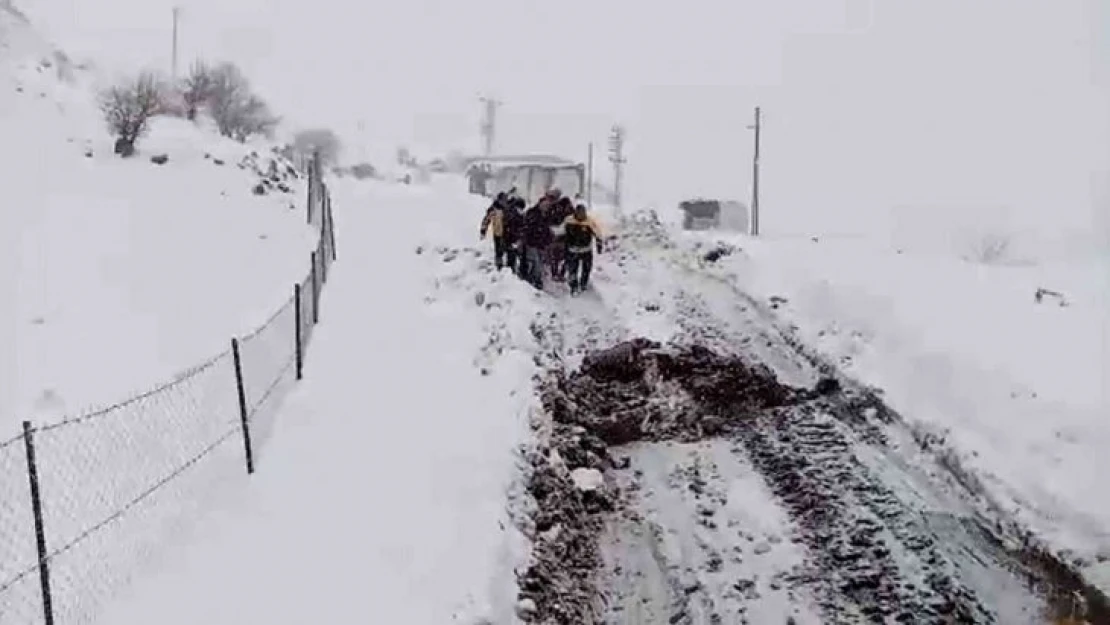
<point x="128" y="270"/>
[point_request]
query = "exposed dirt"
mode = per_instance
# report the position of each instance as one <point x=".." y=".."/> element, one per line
<point x="621" y="394"/>
<point x="560" y="586"/>
<point x="867" y="534"/>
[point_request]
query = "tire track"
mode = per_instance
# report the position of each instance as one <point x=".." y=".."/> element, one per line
<point x="874" y="535"/>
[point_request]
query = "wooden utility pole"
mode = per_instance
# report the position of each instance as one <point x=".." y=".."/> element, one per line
<point x="489" y="122"/>
<point x="590" y="175"/>
<point x="757" y="127"/>
<point x="173" y="62"/>
<point x="616" y="157"/>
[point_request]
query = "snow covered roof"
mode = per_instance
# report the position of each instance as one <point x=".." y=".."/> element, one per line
<point x="526" y="160"/>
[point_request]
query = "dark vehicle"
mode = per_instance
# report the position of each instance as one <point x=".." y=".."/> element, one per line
<point x="701" y="214"/>
<point x="706" y="214"/>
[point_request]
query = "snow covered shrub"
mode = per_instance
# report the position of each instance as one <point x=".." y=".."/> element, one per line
<point x="238" y="113"/>
<point x="322" y="140"/>
<point x="173" y="101"/>
<point x="363" y="171"/>
<point x="127" y="109"/>
<point x="63" y="67"/>
<point x="197" y="88"/>
<point x="405" y="157"/>
<point x="989" y="248"/>
<point x="287" y="152"/>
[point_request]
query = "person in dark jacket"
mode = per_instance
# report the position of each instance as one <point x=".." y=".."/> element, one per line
<point x="514" y="224"/>
<point x="558" y="213"/>
<point x="582" y="236"/>
<point x="537" y="210"/>
<point x="494" y="223"/>
<point x="512" y="228"/>
<point x="536" y="235"/>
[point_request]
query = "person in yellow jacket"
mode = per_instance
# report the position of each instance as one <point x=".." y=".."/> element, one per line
<point x="581" y="236"/>
<point x="494" y="223"/>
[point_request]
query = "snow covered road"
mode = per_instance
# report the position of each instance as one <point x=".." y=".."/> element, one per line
<point x="710" y="468"/>
<point x="381" y="496"/>
<point x="878" y="522"/>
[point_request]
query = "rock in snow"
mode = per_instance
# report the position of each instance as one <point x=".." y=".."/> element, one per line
<point x="587" y="479"/>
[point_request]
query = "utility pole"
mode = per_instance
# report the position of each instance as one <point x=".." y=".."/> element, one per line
<point x="590" y="175"/>
<point x="489" y="122"/>
<point x="173" y="62"/>
<point x="616" y="157"/>
<point x="362" y="140"/>
<point x="757" y="127"/>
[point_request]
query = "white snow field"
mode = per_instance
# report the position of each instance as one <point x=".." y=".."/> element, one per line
<point x="1018" y="388"/>
<point x="127" y="271"/>
<point x="382" y="494"/>
<point x="391" y="487"/>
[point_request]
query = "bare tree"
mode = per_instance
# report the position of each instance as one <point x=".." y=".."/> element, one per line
<point x="228" y="89"/>
<point x="238" y="113"/>
<point x="363" y="171"/>
<point x="197" y="88"/>
<point x="127" y="109"/>
<point x="405" y="157"/>
<point x="988" y="248"/>
<point x="322" y="140"/>
<point x="252" y="117"/>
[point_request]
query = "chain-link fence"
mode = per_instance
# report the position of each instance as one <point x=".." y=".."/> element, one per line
<point x="88" y="502"/>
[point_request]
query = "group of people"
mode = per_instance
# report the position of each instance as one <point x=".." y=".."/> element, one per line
<point x="556" y="237"/>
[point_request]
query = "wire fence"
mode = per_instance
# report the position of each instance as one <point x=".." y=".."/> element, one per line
<point x="89" y="502"/>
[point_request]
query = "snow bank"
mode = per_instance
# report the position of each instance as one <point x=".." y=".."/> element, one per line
<point x="127" y="270"/>
<point x="1017" y="386"/>
<point x="382" y="494"/>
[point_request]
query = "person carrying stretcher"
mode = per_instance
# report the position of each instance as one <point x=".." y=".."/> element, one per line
<point x="494" y="223"/>
<point x="558" y="212"/>
<point x="581" y="235"/>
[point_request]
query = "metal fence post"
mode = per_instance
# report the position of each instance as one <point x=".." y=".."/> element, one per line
<point x="40" y="526"/>
<point x="297" y="332"/>
<point x="308" y="199"/>
<point x="331" y="229"/>
<point x="242" y="405"/>
<point x="315" y="290"/>
<point x="325" y="252"/>
<point x="322" y="245"/>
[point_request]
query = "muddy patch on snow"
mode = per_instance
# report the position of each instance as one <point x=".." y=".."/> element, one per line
<point x="679" y="485"/>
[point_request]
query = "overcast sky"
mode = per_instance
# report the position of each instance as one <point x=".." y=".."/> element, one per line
<point x="871" y="106"/>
